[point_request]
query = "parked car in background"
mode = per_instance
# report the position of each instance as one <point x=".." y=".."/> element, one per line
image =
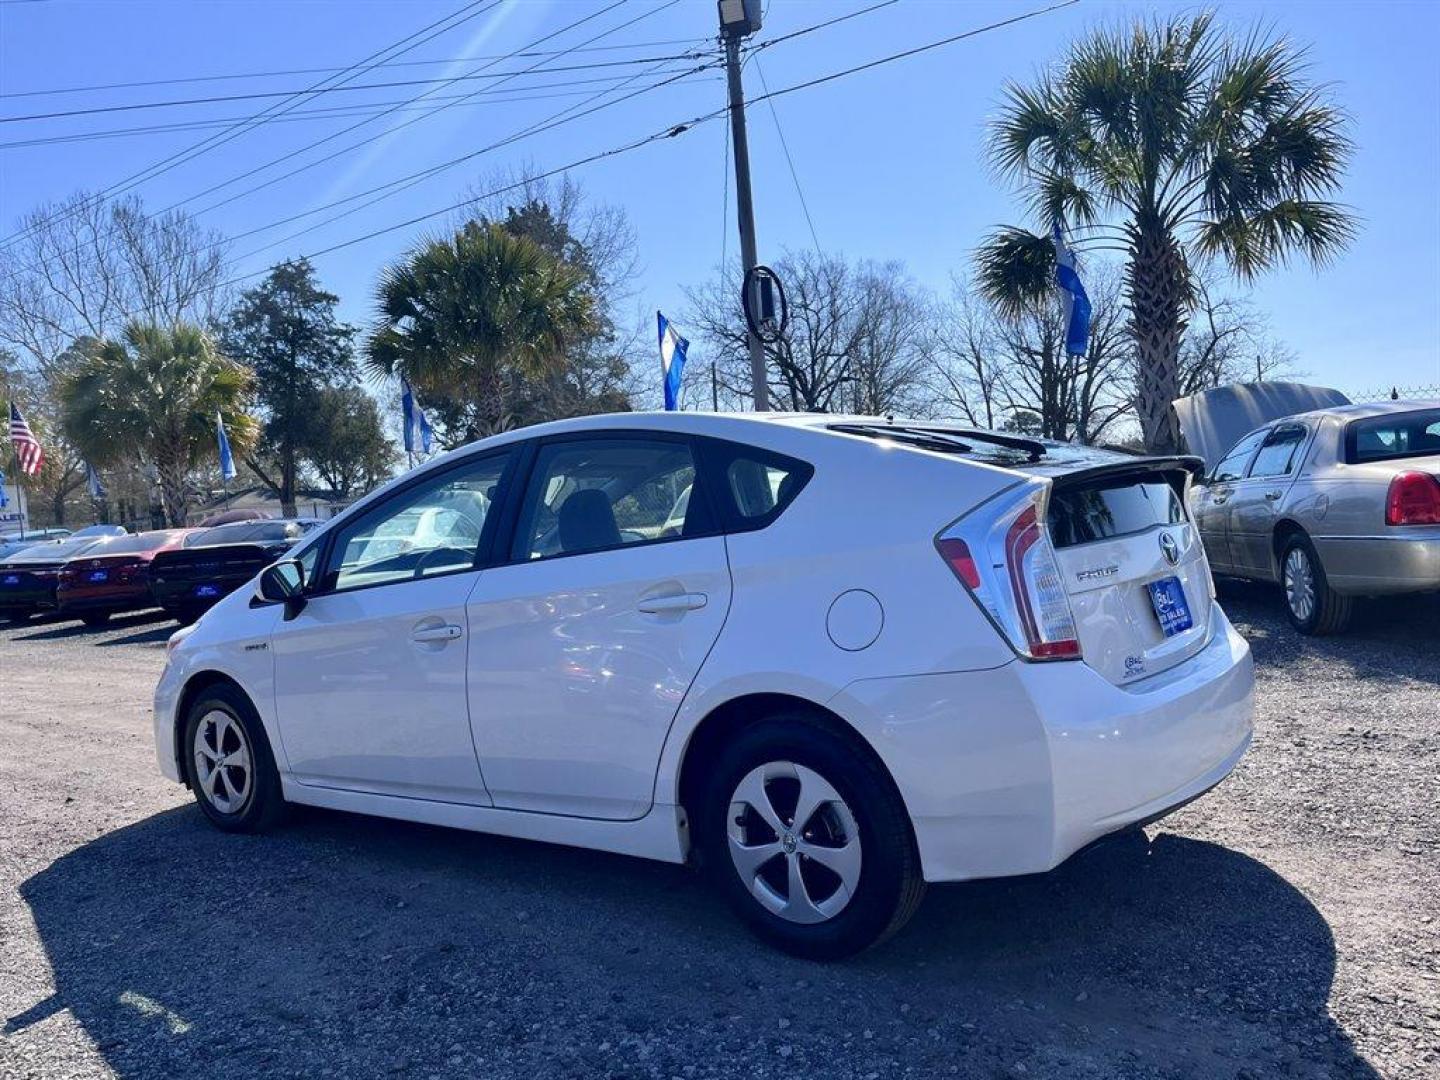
<point x="656" y="632"/>
<point x="212" y="563"/>
<point x="33" y="536"/>
<point x="12" y="545"/>
<point x="106" y="581"/>
<point x="28" y="578"/>
<point x="1332" y="505"/>
<point x="229" y="517"/>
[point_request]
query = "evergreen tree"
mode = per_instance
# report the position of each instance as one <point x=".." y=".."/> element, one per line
<point x="286" y="331"/>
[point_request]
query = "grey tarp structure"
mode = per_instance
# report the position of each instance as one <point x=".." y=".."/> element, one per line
<point x="1213" y="420"/>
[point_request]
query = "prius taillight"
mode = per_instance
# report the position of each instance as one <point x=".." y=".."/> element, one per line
<point x="1002" y="554"/>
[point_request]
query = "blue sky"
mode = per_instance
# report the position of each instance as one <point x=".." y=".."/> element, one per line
<point x="890" y="160"/>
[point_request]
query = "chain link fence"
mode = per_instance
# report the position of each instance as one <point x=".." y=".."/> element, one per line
<point x="1395" y="393"/>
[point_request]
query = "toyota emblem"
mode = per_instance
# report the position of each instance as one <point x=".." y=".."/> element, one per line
<point x="1169" y="548"/>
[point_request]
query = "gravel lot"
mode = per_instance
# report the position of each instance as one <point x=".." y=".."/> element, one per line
<point x="1284" y="925"/>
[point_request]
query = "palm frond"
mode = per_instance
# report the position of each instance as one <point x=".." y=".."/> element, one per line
<point x="1014" y="269"/>
<point x="1263" y="237"/>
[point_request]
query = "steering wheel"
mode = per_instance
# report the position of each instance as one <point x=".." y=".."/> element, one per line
<point x="465" y="557"/>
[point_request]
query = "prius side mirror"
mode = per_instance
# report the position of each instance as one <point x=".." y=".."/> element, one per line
<point x="283" y="583"/>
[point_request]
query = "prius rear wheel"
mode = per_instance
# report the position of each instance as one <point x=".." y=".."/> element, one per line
<point x="805" y="834"/>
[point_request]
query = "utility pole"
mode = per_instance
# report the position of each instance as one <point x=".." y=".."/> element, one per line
<point x="739" y="19"/>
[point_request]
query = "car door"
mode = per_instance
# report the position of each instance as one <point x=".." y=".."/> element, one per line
<point x="585" y="643"/>
<point x="1211" y="503"/>
<point x="370" y="674"/>
<point x="1258" y="497"/>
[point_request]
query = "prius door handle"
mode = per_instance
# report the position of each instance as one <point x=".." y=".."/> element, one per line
<point x="1271" y="496"/>
<point x="679" y="602"/>
<point x="447" y="632"/>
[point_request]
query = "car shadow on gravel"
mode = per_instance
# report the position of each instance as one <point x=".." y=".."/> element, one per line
<point x="375" y="948"/>
<point x="58" y="629"/>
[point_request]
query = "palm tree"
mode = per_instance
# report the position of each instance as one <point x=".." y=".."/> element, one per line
<point x="154" y="396"/>
<point x="465" y="315"/>
<point x="1174" y="144"/>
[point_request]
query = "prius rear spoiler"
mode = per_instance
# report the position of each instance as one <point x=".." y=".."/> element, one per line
<point x="1188" y="463"/>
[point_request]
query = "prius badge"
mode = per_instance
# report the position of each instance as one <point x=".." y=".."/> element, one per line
<point x="1095" y="573"/>
<point x="1169" y="548"/>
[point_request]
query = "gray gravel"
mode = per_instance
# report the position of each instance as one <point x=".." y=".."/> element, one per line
<point x="1283" y="926"/>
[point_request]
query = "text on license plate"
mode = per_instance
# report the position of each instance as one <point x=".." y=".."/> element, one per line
<point x="207" y="590"/>
<point x="1168" y="598"/>
<point x="10" y="579"/>
<point x="99" y="575"/>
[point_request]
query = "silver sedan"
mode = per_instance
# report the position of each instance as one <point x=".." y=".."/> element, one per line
<point x="1331" y="504"/>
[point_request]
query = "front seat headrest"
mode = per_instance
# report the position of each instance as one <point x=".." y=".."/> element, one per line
<point x="587" y="522"/>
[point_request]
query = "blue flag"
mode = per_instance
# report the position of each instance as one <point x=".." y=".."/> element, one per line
<point x="97" y="489"/>
<point x="1077" y="303"/>
<point x="672" y="361"/>
<point x="227" y="460"/>
<point x="417" y="428"/>
<point x="4" y="499"/>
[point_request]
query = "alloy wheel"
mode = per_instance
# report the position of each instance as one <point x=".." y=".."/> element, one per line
<point x="1299" y="583"/>
<point x="794" y="842"/>
<point x="223" y="761"/>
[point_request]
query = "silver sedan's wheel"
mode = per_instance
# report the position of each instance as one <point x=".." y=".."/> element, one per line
<point x="794" y="842"/>
<point x="1299" y="578"/>
<point x="224" y="762"/>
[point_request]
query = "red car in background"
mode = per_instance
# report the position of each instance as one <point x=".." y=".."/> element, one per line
<point x="113" y="579"/>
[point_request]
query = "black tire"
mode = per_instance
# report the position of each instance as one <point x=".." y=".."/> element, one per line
<point x="1329" y="612"/>
<point x="263" y="804"/>
<point x="18" y="618"/>
<point x="890" y="885"/>
<point x="95" y="619"/>
<point x="185" y="616"/>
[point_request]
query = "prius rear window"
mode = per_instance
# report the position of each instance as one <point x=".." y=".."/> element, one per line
<point x="1084" y="515"/>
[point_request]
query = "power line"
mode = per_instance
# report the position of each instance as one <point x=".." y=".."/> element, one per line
<point x="916" y="51"/>
<point x="394" y="187"/>
<point x="407" y="181"/>
<point x="327" y="70"/>
<point x="788" y="159"/>
<point x="822" y="25"/>
<point x="668" y="133"/>
<point x="315" y="92"/>
<point x="373" y="108"/>
<point x="334" y="135"/>
<point x="399" y="48"/>
<point x="390" y="131"/>
<point x="337" y="111"/>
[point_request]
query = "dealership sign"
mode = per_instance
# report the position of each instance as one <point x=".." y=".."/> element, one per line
<point x="13" y="516"/>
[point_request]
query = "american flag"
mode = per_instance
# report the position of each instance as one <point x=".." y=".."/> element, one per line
<point x="27" y="447"/>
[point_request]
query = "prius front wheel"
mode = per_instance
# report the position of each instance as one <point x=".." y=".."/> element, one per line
<point x="228" y="762"/>
<point x="807" y="837"/>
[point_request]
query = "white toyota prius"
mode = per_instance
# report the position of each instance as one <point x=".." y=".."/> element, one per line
<point x="830" y="658"/>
